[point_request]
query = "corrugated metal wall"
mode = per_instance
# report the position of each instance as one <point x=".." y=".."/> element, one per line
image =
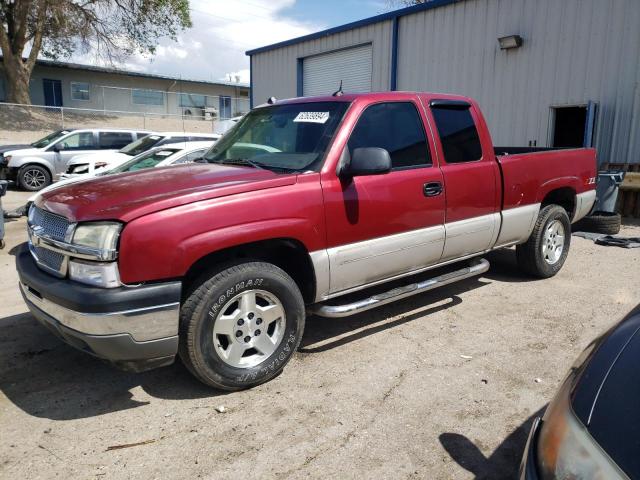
<point x="274" y="73"/>
<point x="574" y="51"/>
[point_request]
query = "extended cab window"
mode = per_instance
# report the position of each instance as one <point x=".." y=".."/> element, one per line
<point x="396" y="127"/>
<point x="283" y="138"/>
<point x="458" y="134"/>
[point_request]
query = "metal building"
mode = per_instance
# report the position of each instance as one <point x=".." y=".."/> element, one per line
<point x="546" y="72"/>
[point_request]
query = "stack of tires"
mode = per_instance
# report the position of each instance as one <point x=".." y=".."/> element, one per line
<point x="599" y="222"/>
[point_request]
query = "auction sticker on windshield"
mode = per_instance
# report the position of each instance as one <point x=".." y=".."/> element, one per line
<point x="312" y="117"/>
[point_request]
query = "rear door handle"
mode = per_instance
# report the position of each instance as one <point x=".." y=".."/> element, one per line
<point x="432" y="189"/>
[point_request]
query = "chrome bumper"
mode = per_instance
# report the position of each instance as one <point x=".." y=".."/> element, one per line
<point x="136" y="328"/>
<point x="142" y="324"/>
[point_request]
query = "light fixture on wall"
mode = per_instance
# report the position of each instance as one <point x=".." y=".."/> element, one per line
<point x="510" y="41"/>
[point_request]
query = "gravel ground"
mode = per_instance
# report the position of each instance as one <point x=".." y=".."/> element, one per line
<point x="442" y="385"/>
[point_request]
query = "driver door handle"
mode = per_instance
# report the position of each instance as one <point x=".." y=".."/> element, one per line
<point x="432" y="189"/>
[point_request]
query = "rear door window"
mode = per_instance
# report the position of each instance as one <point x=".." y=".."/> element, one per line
<point x="396" y="127"/>
<point x="114" y="140"/>
<point x="458" y="134"/>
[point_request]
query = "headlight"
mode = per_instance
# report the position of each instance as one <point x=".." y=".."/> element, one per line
<point x="103" y="275"/>
<point x="565" y="449"/>
<point x="100" y="235"/>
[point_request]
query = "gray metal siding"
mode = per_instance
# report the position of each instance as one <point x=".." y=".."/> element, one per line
<point x="275" y="72"/>
<point x="574" y="51"/>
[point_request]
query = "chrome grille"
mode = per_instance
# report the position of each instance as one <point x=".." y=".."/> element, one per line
<point x="49" y="258"/>
<point x="52" y="225"/>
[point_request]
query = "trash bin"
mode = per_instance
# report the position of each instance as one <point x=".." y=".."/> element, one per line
<point x="3" y="190"/>
<point x="607" y="190"/>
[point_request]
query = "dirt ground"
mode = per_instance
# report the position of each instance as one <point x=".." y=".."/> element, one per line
<point x="442" y="385"/>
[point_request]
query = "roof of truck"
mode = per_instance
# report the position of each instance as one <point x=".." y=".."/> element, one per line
<point x="381" y="96"/>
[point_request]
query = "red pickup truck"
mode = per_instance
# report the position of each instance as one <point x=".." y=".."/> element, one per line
<point x="306" y="205"/>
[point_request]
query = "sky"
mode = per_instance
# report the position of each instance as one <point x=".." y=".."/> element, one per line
<point x="214" y="48"/>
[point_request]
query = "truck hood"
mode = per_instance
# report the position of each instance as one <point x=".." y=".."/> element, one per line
<point x="128" y="196"/>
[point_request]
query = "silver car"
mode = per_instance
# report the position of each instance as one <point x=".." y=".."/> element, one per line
<point x="36" y="167"/>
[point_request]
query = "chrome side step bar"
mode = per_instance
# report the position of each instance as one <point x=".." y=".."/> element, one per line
<point x="477" y="267"/>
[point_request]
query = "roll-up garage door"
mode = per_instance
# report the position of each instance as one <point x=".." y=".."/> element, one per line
<point x="321" y="74"/>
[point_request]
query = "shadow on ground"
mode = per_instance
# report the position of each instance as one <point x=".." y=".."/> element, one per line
<point x="503" y="463"/>
<point x="46" y="378"/>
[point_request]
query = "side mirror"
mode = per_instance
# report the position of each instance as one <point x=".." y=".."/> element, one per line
<point x="199" y="160"/>
<point x="56" y="147"/>
<point x="367" y="161"/>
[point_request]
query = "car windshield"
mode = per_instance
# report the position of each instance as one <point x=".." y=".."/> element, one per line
<point x="45" y="141"/>
<point x="145" y="160"/>
<point x="141" y="145"/>
<point x="285" y="138"/>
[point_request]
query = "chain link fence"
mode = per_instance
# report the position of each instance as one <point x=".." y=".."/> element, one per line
<point x="27" y="123"/>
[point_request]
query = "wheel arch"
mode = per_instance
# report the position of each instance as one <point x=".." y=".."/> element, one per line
<point x="288" y="254"/>
<point x="564" y="196"/>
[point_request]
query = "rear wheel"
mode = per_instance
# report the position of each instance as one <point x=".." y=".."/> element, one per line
<point x="546" y="250"/>
<point x="34" y="177"/>
<point x="240" y="327"/>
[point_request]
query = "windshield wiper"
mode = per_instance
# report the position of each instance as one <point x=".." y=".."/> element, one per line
<point x="241" y="161"/>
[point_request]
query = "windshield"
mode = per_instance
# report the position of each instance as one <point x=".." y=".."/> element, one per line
<point x="141" y="145"/>
<point x="146" y="160"/>
<point x="45" y="141"/>
<point x="281" y="137"/>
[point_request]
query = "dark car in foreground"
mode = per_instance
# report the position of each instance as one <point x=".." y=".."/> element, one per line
<point x="591" y="429"/>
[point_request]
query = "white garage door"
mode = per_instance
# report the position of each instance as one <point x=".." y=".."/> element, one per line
<point x="321" y="74"/>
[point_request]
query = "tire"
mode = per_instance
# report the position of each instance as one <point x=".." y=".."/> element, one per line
<point x="599" y="222"/>
<point x="33" y="177"/>
<point x="212" y="316"/>
<point x="544" y="253"/>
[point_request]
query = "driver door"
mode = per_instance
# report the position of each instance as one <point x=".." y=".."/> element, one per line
<point x="381" y="226"/>
<point x="70" y="146"/>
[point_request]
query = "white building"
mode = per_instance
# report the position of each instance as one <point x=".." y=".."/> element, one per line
<point x="565" y="72"/>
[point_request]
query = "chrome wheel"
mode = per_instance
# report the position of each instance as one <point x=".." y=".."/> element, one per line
<point x="553" y="242"/>
<point x="34" y="178"/>
<point x="249" y="328"/>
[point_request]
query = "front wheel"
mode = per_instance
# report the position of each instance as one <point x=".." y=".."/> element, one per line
<point x="546" y="250"/>
<point x="34" y="177"/>
<point x="240" y="327"/>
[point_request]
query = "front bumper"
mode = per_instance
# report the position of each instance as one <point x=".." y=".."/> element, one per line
<point x="528" y="466"/>
<point x="136" y="328"/>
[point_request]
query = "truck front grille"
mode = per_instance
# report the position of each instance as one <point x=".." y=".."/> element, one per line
<point x="49" y="258"/>
<point x="52" y="225"/>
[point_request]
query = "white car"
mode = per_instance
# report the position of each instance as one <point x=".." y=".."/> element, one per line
<point x="83" y="164"/>
<point x="171" y="154"/>
<point x="35" y="167"/>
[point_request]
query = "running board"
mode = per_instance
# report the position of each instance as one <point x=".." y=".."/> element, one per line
<point x="477" y="267"/>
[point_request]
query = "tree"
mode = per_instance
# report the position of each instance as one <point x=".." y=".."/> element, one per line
<point x="112" y="29"/>
<point x="405" y="3"/>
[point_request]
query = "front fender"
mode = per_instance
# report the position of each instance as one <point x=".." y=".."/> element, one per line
<point x="21" y="161"/>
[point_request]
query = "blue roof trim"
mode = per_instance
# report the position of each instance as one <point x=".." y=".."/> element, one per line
<point x="357" y="24"/>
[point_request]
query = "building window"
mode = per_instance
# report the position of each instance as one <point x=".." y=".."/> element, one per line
<point x="147" y="97"/>
<point x="396" y="127"/>
<point x="192" y="100"/>
<point x="225" y="107"/>
<point x="458" y="134"/>
<point x="80" y="91"/>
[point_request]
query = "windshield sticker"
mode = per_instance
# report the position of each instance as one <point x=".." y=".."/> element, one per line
<point x="312" y="117"/>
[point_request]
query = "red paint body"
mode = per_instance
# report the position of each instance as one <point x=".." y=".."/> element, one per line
<point x="177" y="215"/>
